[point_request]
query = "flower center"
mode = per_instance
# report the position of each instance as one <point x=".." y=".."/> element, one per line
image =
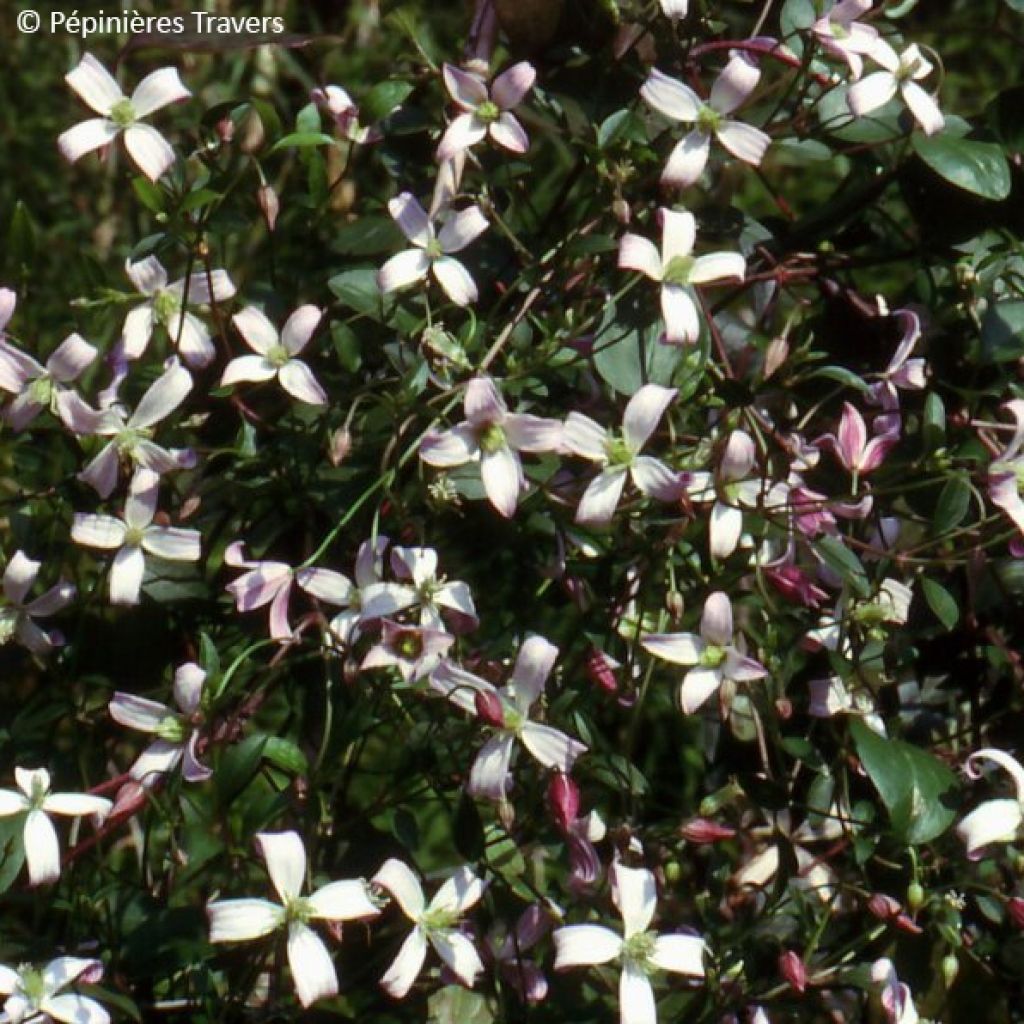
<point x="39" y="792"/>
<point x="678" y="270"/>
<point x="165" y="306"/>
<point x="133" y="537"/>
<point x="709" y="120"/>
<point x="1018" y="472"/>
<point x="172" y="729"/>
<point x="433" y="249"/>
<point x="297" y="909"/>
<point x="637" y="950"/>
<point x="41" y="390"/>
<point x="488" y="112"/>
<point x="492" y="438"/>
<point x="712" y="656"/>
<point x="122" y="113"/>
<point x="909" y="68"/>
<point x="278" y="355"/>
<point x="33" y="985"/>
<point x="839" y="30"/>
<point x="514" y="720"/>
<point x="618" y="451"/>
<point x="409" y="646"/>
<point x="128" y="440"/>
<point x="8" y="623"/>
<point x="439" y="919"/>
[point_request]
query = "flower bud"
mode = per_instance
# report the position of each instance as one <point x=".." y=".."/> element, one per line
<point x="775" y="356"/>
<point x="253" y="135"/>
<point x="340" y="446"/>
<point x="1015" y="910"/>
<point x="225" y="129"/>
<point x="950" y="969"/>
<point x="703" y="831"/>
<point x="599" y="670"/>
<point x="674" y="604"/>
<point x="564" y="799"/>
<point x="915" y="895"/>
<point x="884" y="907"/>
<point x="489" y="708"/>
<point x="792" y="969"/>
<point x="269" y="204"/>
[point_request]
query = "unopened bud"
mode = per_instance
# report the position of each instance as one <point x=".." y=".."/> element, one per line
<point x="489" y="708"/>
<point x="915" y="895"/>
<point x="225" y="129"/>
<point x="792" y="969"/>
<point x="884" y="907"/>
<point x="599" y="670"/>
<point x="620" y="210"/>
<point x="253" y="134"/>
<point x="776" y="354"/>
<point x="950" y="969"/>
<point x="674" y="604"/>
<point x="564" y="798"/>
<point x="340" y="446"/>
<point x="269" y="204"/>
<point x="1015" y="910"/>
<point x="703" y="831"/>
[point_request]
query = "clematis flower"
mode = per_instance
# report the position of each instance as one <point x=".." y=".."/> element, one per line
<point x="891" y="606"/>
<point x="901" y="73"/>
<point x="413" y="650"/>
<point x="678" y="102"/>
<point x="831" y="696"/>
<point x="675" y="9"/>
<point x="897" y="999"/>
<point x="165" y="306"/>
<point x="347" y="626"/>
<point x="34" y="994"/>
<point x="241" y="920"/>
<point x="275" y="356"/>
<point x="1006" y="473"/>
<point x="8" y="303"/>
<point x="177" y="734"/>
<point x="506" y="950"/>
<point x="677" y="270"/>
<point x="641" y="952"/>
<point x="266" y="582"/>
<point x="507" y="711"/>
<point x="134" y="537"/>
<point x="42" y="848"/>
<point x="494" y="437"/>
<point x="17" y="618"/>
<point x="902" y="373"/>
<point x="435" y="924"/>
<point x="712" y="654"/>
<point x="337" y="102"/>
<point x="843" y="36"/>
<point x="118" y="113"/>
<point x="851" y="446"/>
<point x="37" y="387"/>
<point x="618" y="455"/>
<point x="431" y="252"/>
<point x="130" y="436"/>
<point x="486" y="112"/>
<point x="994" y="821"/>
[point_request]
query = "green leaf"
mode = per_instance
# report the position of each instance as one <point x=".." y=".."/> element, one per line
<point x="21" y="237"/>
<point x="941" y="602"/>
<point x="796" y="17"/>
<point x="151" y="196"/>
<point x="238" y="766"/>
<point x="299" y="140"/>
<point x="838" y="557"/>
<point x="1002" y="331"/>
<point x="978" y="167"/>
<point x="916" y="788"/>
<point x="367" y="236"/>
<point x="382" y="99"/>
<point x="358" y="290"/>
<point x="455" y="1004"/>
<point x="627" y="357"/>
<point x="953" y="505"/>
<point x="201" y="197"/>
<point x="12" y="849"/>
<point x="286" y="755"/>
<point x="841" y="375"/>
<point x="933" y="426"/>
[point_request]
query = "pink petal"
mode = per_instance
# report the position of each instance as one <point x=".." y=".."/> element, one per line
<point x="670" y="97"/>
<point x="298" y="380"/>
<point x="299" y="328"/>
<point x="737" y="81"/>
<point x="511" y="86"/>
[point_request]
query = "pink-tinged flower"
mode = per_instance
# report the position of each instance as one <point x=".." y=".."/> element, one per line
<point x="843" y="36"/>
<point x="134" y="537"/>
<point x="795" y="585"/>
<point x="241" y="920"/>
<point x="430" y="593"/>
<point x="902" y="373"/>
<point x="678" y="102"/>
<point x="677" y="270"/>
<point x="712" y="654"/>
<point x="486" y="112"/>
<point x="130" y="436"/>
<point x="177" y="734"/>
<point x="902" y="73"/>
<point x="618" y="455"/>
<point x="1006" y="473"/>
<point x="413" y="650"/>
<point x="266" y="582"/>
<point x="994" y="821"/>
<point x="584" y="861"/>
<point x="432" y="250"/>
<point x="506" y="950"/>
<point x="8" y="302"/>
<point x="118" y="113"/>
<point x="275" y="356"/>
<point x="34" y="994"/>
<point x="42" y="849"/>
<point x="17" y="617"/>
<point x="811" y="513"/>
<point x="507" y="711"/>
<point x="897" y="999"/>
<point x="641" y="952"/>
<point x="891" y="605"/>
<point x="494" y="437"/>
<point x="37" y="387"/>
<point x="851" y="446"/>
<point x="436" y="924"/>
<point x="165" y="306"/>
<point x="831" y="696"/>
<point x="675" y="9"/>
<point x="347" y="626"/>
<point x="337" y="102"/>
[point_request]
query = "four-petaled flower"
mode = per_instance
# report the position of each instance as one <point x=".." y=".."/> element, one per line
<point x="17" y="617"/>
<point x="851" y="446"/>
<point x="414" y="650"/>
<point x="641" y="952"/>
<point x="432" y="249"/>
<point x="42" y="848"/>
<point x="902" y="73"/>
<point x="842" y="35"/>
<point x="486" y="112"/>
<point x="239" y="920"/>
<point x="676" y="269"/>
<point x="34" y="994"/>
<point x="119" y="113"/>
<point x="1006" y="472"/>
<point x="37" y="387"/>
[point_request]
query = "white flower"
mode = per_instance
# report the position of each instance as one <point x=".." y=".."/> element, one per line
<point x="712" y="654"/>
<point x="432" y="252"/>
<point x="902" y="73"/>
<point x="414" y="650"/>
<point x="17" y="617"/>
<point x="42" y="849"/>
<point x="34" y="994"/>
<point x="843" y="36"/>
<point x="994" y="821"/>
<point x="165" y="306"/>
<point x="135" y="536"/>
<point x="676" y="269"/>
<point x="508" y="710"/>
<point x="240" y="920"/>
<point x="176" y="734"/>
<point x="897" y="999"/>
<point x="276" y="355"/>
<point x="351" y="597"/>
<point x="618" y="454"/>
<point x="678" y="102"/>
<point x="675" y="9"/>
<point x="37" y="387"/>
<point x="119" y="113"/>
<point x="641" y="952"/>
<point x="435" y="923"/>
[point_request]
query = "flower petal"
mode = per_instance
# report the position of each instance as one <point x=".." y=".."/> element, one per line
<point x="406" y="966"/>
<point x="42" y="850"/>
<point x="870" y="93"/>
<point x="151" y="152"/>
<point x="585" y="438"/>
<point x="299" y="328"/>
<point x="97" y="531"/>
<point x="670" y="97"/>
<point x="687" y="160"/>
<point x="636" y="997"/>
<point x="643" y="414"/>
<point x="581" y="945"/>
<point x="137" y="712"/>
<point x="653" y="478"/>
<point x="923" y="107"/>
<point x="718" y="266"/>
<point x="70" y="358"/>
<point x="677" y="648"/>
<point x="72" y="1008"/>
<point x="462" y="228"/>
<point x="744" y="141"/>
<point x="126" y="574"/>
<point x="76" y="805"/>
<point x="94" y="84"/>
<point x="679" y="311"/>
<point x="640" y="254"/>
<point x="459" y="953"/>
<point x="508" y="133"/>
<point x="552" y="748"/>
<point x="736" y="82"/>
<point x="511" y="86"/>
<point x="157" y="90"/>
<point x="636" y="896"/>
<point x="239" y="920"/>
<point x="682" y="954"/>
<point x="348" y="900"/>
<point x="468" y="90"/>
<point x="248" y="368"/>
<point x="456" y="280"/>
<point x="601" y="498"/>
<point x="678" y="233"/>
<point x="994" y="821"/>
<point x="398" y="879"/>
<point x="166" y="393"/>
<point x="402" y="270"/>
<point x="313" y="971"/>
<point x="459" y="892"/>
<point x="502" y="476"/>
<point x="698" y="684"/>
<point x="173" y="543"/>
<point x="85" y="137"/>
<point x="465" y="130"/>
<point x="298" y="380"/>
<point x="489" y="777"/>
<point x="716" y="620"/>
<point x="411" y="219"/>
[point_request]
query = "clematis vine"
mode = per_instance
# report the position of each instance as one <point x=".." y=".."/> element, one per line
<point x="34" y="799"/>
<point x="177" y="732"/>
<point x="241" y="920"/>
<point x="678" y="102"/>
<point x="135" y="536"/>
<point x="166" y="306"/>
<point x="618" y="455"/>
<point x="432" y="250"/>
<point x="641" y="952"/>
<point x="121" y="114"/>
<point x="414" y="650"/>
<point x="993" y="821"/>
<point x="507" y="711"/>
<point x="494" y="437"/>
<point x="37" y="387"/>
<point x="486" y="112"/>
<point x="842" y="35"/>
<point x="36" y="993"/>
<point x="901" y="73"/>
<point x="677" y="270"/>
<point x="435" y="924"/>
<point x="712" y="654"/>
<point x="17" y="616"/>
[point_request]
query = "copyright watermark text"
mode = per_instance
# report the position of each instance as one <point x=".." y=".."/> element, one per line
<point x="130" y="23"/>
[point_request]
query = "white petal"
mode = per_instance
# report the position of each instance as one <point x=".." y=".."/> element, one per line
<point x="259" y="333"/>
<point x="158" y="759"/>
<point x="459" y="892"/>
<point x="126" y="576"/>
<point x="72" y="1008"/>
<point x="12" y="803"/>
<point x="248" y="368"/>
<point x="173" y="543"/>
<point x="698" y="685"/>
<point x="467" y="89"/>
<point x="716" y="620"/>
<point x="510" y="87"/>
<point x="239" y="920"/>
<point x="640" y="254"/>
<point x="682" y="954"/>
<point x="725" y="529"/>
<point x="502" y="476"/>
<point x="643" y="414"/>
<point x="462" y="228"/>
<point x="736" y="82"/>
<point x="147" y="275"/>
<point x="137" y="712"/>
<point x="137" y="330"/>
<point x="167" y="392"/>
<point x="489" y="777"/>
<point x="343" y="901"/>
<point x="687" y="160"/>
<point x="677" y="648"/>
<point x="402" y="270"/>
<point x="870" y="93"/>
<point x="585" y="944"/>
<point x="528" y="433"/>
<point x="286" y="861"/>
<point x="70" y="358"/>
<point x="465" y="131"/>
<point x="653" y="478"/>
<point x="140" y="505"/>
<point x="189" y="680"/>
<point x="923" y="107"/>
<point x="533" y="665"/>
<point x="678" y="233"/>
<point x="508" y="133"/>
<point x="42" y="851"/>
<point x="406" y="966"/>
<point x="601" y="498"/>
<point x="312" y="968"/>
<point x="670" y="97"/>
<point x="679" y="311"/>
<point x="411" y="218"/>
<point x="584" y="437"/>
<point x="636" y="896"/>
<point x="19" y="576"/>
<point x="204" y="286"/>
<point x="149" y="149"/>
<point x="76" y="805"/>
<point x="298" y="380"/>
<point x="31" y="780"/>
<point x="458" y="952"/>
<point x="398" y="879"/>
<point x="85" y="137"/>
<point x="718" y="266"/>
<point x="448" y="448"/>
<point x="299" y="328"/>
<point x="552" y="748"/>
<point x="1009" y="764"/>
<point x="96" y="531"/>
<point x="456" y="280"/>
<point x="744" y="141"/>
<point x="994" y="821"/>
<point x="325" y="585"/>
<point x="636" y="997"/>
<point x="458" y="686"/>
<point x="193" y="339"/>
<point x="158" y="89"/>
<point x="94" y="84"/>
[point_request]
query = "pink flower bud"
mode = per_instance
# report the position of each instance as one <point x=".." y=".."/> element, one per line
<point x="564" y="798"/>
<point x="703" y="831"/>
<point x="599" y="670"/>
<point x="795" y="585"/>
<point x="1015" y="910"/>
<point x="269" y="204"/>
<point x="489" y="708"/>
<point x="792" y="969"/>
<point x="884" y="907"/>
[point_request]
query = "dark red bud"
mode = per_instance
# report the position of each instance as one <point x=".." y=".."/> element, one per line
<point x="703" y="831"/>
<point x="884" y="907"/>
<point x="488" y="707"/>
<point x="792" y="969"/>
<point x="564" y="798"/>
<point x="1015" y="909"/>
<point x="600" y="672"/>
